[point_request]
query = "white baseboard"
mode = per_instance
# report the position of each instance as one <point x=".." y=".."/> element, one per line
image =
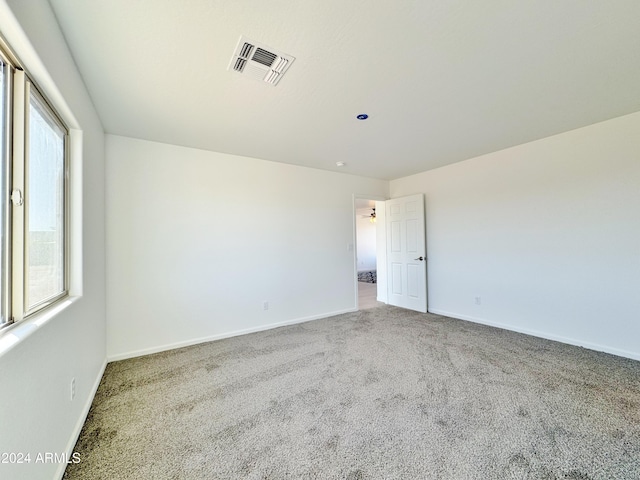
<point x="220" y="336"/>
<point x="537" y="333"/>
<point x="80" y="423"/>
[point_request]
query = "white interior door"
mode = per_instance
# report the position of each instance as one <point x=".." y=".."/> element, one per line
<point x="406" y="253"/>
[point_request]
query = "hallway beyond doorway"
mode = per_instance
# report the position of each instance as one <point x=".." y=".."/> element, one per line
<point x="367" y="296"/>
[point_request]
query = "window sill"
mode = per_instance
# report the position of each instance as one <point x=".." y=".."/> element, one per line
<point x="13" y="335"/>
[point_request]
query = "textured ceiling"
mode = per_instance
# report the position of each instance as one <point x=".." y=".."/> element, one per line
<point x="442" y="80"/>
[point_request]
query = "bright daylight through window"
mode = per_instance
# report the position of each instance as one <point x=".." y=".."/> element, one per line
<point x="4" y="227"/>
<point x="34" y="185"/>
<point x="44" y="206"/>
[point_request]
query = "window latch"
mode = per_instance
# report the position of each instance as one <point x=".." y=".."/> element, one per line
<point x="16" y="198"/>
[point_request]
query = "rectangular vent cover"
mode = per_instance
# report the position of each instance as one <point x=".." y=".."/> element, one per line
<point x="259" y="61"/>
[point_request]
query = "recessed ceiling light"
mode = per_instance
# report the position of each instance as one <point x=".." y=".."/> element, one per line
<point x="362" y="116"/>
<point x="340" y="164"/>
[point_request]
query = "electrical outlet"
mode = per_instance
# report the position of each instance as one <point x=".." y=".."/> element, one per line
<point x="73" y="388"/>
<point x="478" y="301"/>
<point x="265" y="306"/>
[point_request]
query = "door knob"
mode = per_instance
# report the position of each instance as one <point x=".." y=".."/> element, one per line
<point x="420" y="258"/>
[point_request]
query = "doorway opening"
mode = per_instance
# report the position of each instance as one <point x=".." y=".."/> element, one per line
<point x="367" y="246"/>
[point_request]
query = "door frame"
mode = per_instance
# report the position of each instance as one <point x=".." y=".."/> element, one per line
<point x="354" y="245"/>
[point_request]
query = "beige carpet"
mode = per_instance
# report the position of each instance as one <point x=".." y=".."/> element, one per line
<point x="378" y="394"/>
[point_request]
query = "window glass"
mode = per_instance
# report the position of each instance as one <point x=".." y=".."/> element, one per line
<point x="45" y="218"/>
<point x="4" y="228"/>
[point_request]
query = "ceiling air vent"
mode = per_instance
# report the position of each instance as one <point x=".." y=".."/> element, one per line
<point x="240" y="63"/>
<point x="259" y="62"/>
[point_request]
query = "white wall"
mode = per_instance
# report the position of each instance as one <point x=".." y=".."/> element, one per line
<point x="36" y="413"/>
<point x="546" y="233"/>
<point x="197" y="241"/>
<point x="366" y="235"/>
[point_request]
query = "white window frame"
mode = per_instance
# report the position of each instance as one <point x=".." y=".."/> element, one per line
<point x="22" y="86"/>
